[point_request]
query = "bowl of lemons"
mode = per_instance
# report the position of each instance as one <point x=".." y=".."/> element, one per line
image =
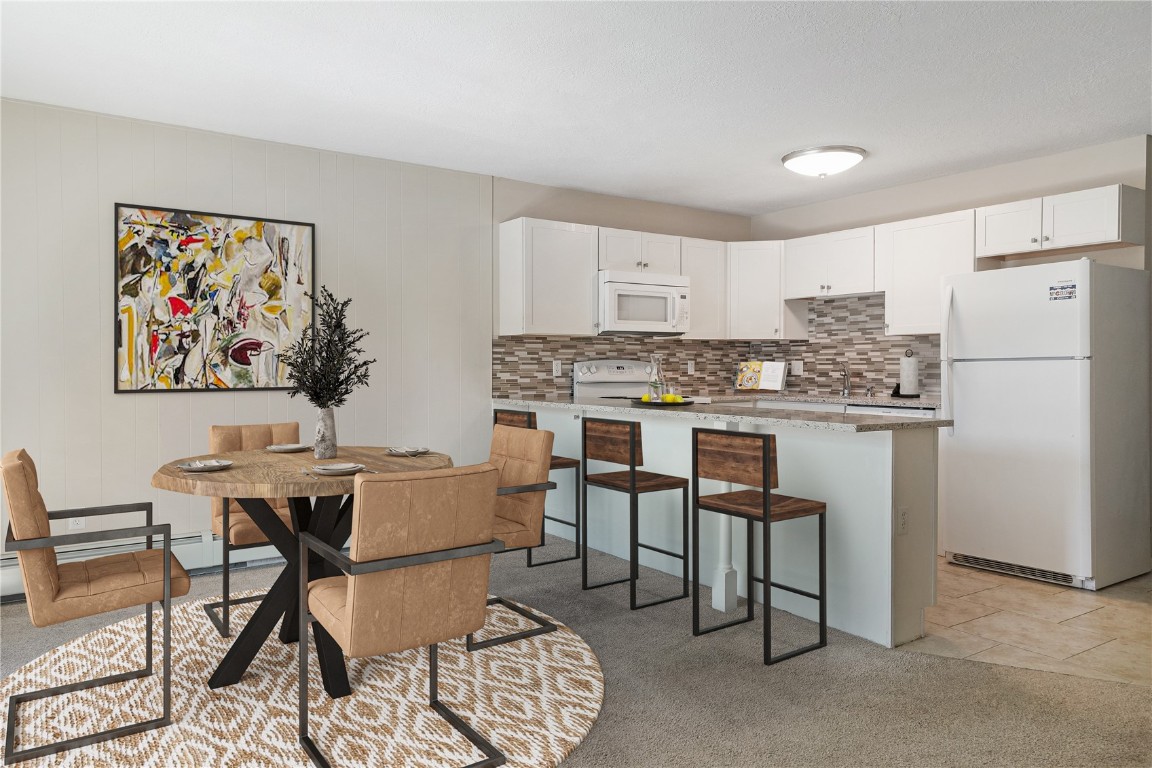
<point x="668" y="399"/>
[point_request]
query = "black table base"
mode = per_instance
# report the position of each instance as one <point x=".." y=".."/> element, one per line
<point x="330" y="520"/>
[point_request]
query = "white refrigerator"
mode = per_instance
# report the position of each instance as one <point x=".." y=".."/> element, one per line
<point x="1046" y="471"/>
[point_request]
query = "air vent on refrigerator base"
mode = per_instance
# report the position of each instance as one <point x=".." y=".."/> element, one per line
<point x="1021" y="570"/>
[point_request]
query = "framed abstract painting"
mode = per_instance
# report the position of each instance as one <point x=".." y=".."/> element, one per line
<point x="207" y="301"/>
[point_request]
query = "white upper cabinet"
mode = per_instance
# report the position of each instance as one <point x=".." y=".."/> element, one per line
<point x="547" y="278"/>
<point x="833" y="264"/>
<point x="661" y="253"/>
<point x="1100" y="216"/>
<point x="705" y="264"/>
<point x="625" y="250"/>
<point x="620" y="249"/>
<point x="756" y="309"/>
<point x="911" y="258"/>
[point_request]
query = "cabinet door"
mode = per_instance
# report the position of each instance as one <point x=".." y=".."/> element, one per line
<point x="560" y="278"/>
<point x="1078" y="218"/>
<point x="660" y="253"/>
<point x="620" y="250"/>
<point x="805" y="265"/>
<point x="833" y="264"/>
<point x="754" y="306"/>
<point x="705" y="264"/>
<point x="911" y="258"/>
<point x="1008" y="228"/>
<point x="849" y="262"/>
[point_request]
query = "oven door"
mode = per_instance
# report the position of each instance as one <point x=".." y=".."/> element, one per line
<point x="643" y="309"/>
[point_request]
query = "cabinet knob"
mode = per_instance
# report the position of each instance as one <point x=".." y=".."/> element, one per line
<point x="821" y="286"/>
<point x="1045" y="238"/>
<point x="1035" y="240"/>
<point x="829" y="287"/>
<point x="775" y="331"/>
<point x="640" y="263"/>
<point x="646" y="263"/>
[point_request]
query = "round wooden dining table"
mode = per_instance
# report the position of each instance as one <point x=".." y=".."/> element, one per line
<point x="257" y="475"/>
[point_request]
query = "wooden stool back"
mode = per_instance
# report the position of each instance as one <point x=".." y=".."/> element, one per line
<point x="522" y="419"/>
<point x="735" y="457"/>
<point x="607" y="440"/>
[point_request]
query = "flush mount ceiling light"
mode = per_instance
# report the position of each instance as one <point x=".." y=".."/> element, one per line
<point x="823" y="161"/>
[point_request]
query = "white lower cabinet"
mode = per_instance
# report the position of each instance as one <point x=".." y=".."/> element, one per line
<point x="547" y="278"/>
<point x="756" y="308"/>
<point x="705" y="264"/>
<point x="911" y="258"/>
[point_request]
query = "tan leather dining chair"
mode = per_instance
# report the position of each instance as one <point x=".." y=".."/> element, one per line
<point x="58" y="592"/>
<point x="228" y="515"/>
<point x="523" y="457"/>
<point x="416" y="575"/>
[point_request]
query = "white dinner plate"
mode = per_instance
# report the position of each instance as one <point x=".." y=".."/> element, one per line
<point x="289" y="448"/>
<point x="205" y="465"/>
<point x="408" y="451"/>
<point x="337" y="469"/>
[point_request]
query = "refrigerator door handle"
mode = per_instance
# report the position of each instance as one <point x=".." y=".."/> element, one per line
<point x="946" y="357"/>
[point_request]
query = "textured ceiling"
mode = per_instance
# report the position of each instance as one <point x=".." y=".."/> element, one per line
<point x="689" y="103"/>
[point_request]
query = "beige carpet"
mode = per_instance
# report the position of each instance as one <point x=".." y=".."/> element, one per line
<point x="534" y="699"/>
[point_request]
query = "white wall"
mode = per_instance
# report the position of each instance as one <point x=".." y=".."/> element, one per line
<point x="410" y="245"/>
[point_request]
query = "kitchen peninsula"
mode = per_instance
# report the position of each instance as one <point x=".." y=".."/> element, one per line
<point x="877" y="474"/>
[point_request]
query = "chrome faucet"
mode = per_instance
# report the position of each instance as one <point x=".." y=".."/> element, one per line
<point x="847" y="389"/>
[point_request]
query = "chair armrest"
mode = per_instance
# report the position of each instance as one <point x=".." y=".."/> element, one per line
<point x="508" y="490"/>
<point x="15" y="545"/>
<point x="111" y="509"/>
<point x="357" y="568"/>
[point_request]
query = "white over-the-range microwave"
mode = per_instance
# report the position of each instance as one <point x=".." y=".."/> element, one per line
<point x="643" y="303"/>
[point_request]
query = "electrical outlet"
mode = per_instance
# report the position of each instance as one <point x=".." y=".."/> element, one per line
<point x="901" y="521"/>
<point x="797" y="367"/>
<point x="76" y="523"/>
<point x="557" y="368"/>
<point x="691" y="366"/>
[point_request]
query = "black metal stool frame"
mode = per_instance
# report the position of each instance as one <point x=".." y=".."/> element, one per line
<point x="634" y="544"/>
<point x="821" y="597"/>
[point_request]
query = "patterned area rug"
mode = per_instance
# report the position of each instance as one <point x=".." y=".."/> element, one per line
<point x="534" y="699"/>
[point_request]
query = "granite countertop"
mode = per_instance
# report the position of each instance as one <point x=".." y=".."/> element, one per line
<point x="879" y="401"/>
<point x="730" y="412"/>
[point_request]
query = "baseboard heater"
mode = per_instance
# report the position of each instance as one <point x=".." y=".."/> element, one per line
<point x="198" y="551"/>
<point x="1054" y="577"/>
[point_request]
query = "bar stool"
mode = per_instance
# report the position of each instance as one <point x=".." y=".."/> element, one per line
<point x="619" y="442"/>
<point x="527" y="420"/>
<point x="750" y="459"/>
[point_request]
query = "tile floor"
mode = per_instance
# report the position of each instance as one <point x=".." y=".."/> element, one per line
<point x="1001" y="619"/>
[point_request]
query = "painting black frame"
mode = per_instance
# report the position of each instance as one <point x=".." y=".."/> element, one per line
<point x="116" y="294"/>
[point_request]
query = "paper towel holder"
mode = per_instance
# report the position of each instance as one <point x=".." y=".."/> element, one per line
<point x="896" y="389"/>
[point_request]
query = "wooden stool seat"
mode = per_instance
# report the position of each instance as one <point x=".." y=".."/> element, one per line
<point x="563" y="462"/>
<point x="646" y="482"/>
<point x="750" y="504"/>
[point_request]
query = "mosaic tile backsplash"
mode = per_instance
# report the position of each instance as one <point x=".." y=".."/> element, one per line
<point x="846" y="331"/>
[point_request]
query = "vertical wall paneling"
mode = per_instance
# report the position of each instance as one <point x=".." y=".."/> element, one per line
<point x="417" y="365"/>
<point x="82" y="280"/>
<point x="412" y="246"/>
<point x="125" y="466"/>
<point x="49" y="317"/>
<point x="19" y="406"/>
<point x="392" y="292"/>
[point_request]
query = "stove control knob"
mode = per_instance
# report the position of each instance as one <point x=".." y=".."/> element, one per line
<point x="648" y="369"/>
<point x="592" y="369"/>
